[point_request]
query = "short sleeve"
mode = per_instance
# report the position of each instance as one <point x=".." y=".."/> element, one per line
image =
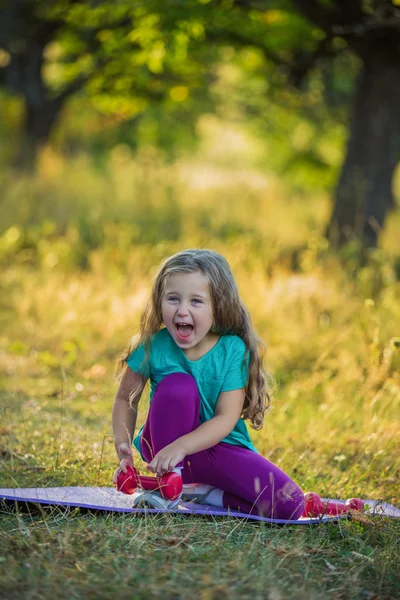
<point x="136" y="361"/>
<point x="236" y="376"/>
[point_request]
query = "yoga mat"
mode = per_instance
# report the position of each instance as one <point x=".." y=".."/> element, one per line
<point x="108" y="499"/>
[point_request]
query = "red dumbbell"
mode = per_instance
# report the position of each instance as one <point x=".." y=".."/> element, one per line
<point x="315" y="507"/>
<point x="169" y="485"/>
<point x="355" y="504"/>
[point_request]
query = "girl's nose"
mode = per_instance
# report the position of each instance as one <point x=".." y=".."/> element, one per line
<point x="183" y="310"/>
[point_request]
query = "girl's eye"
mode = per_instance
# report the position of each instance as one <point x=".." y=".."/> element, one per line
<point x="195" y="300"/>
<point x="173" y="298"/>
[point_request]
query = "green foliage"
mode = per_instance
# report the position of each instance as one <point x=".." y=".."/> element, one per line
<point x="148" y="72"/>
<point x="129" y="58"/>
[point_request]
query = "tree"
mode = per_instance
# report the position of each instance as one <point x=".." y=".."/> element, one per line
<point x="369" y="30"/>
<point x="134" y="53"/>
<point x="120" y="52"/>
<point x="25" y="32"/>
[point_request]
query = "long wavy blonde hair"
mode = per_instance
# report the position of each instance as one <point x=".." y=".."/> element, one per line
<point x="230" y="316"/>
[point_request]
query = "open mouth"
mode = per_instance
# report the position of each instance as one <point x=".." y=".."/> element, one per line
<point x="184" y="331"/>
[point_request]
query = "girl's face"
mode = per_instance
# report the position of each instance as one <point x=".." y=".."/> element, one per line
<point x="187" y="310"/>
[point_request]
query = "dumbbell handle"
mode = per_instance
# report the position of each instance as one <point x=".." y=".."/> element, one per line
<point x="153" y="483"/>
<point x="335" y="508"/>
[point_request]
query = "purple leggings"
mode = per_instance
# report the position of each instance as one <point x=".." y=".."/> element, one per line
<point x="250" y="482"/>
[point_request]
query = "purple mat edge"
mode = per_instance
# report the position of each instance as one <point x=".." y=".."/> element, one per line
<point x="194" y="511"/>
<point x="211" y="513"/>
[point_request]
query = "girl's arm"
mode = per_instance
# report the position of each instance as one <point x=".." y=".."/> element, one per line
<point x="227" y="413"/>
<point x="124" y="415"/>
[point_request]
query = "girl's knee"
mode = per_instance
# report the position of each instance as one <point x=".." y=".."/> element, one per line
<point x="177" y="387"/>
<point x="290" y="501"/>
<point x="281" y="502"/>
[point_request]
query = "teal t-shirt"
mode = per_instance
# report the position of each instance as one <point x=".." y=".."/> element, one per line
<point x="221" y="369"/>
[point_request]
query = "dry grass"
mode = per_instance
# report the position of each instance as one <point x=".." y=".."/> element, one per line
<point x="332" y="332"/>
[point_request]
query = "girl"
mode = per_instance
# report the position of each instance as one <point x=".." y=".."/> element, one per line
<point x="206" y="376"/>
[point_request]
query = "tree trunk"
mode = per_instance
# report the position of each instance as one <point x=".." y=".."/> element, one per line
<point x="25" y="76"/>
<point x="37" y="125"/>
<point x="364" y="191"/>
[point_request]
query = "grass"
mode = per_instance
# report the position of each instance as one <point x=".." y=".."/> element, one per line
<point x="72" y="555"/>
<point x="70" y="301"/>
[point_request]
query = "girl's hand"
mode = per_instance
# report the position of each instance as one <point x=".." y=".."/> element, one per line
<point x="124" y="451"/>
<point x="165" y="460"/>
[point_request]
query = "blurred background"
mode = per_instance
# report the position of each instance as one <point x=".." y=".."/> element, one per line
<point x="123" y="112"/>
<point x="269" y="131"/>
